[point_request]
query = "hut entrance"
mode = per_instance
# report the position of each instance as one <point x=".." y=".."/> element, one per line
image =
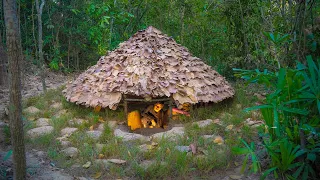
<point x="145" y="113"/>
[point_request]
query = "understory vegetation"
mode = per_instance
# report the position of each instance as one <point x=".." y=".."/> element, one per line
<point x="168" y="162"/>
<point x="291" y="115"/>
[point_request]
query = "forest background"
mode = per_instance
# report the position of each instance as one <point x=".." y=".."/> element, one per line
<point x="225" y="33"/>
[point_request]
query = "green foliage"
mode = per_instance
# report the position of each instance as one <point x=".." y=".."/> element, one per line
<point x="249" y="152"/>
<point x="8" y="155"/>
<point x="225" y="34"/>
<point x="54" y="65"/>
<point x="284" y="156"/>
<point x="291" y="113"/>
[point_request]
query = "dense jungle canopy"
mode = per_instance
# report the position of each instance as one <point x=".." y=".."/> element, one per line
<point x="224" y="33"/>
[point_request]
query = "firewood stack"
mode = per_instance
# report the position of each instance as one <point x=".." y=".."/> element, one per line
<point x="149" y="64"/>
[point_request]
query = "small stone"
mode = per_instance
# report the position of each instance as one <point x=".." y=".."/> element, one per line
<point x="209" y="136"/>
<point x="87" y="165"/>
<point x="60" y="113"/>
<point x="65" y="144"/>
<point x="101" y="127"/>
<point x="40" y="131"/>
<point x="183" y="148"/>
<point x="203" y="123"/>
<point x="102" y="162"/>
<point x="129" y="136"/>
<point x="31" y="110"/>
<point x="117" y="161"/>
<point x="99" y="147"/>
<point x="94" y="134"/>
<point x="42" y="122"/>
<point x="68" y="130"/>
<point x="70" y="151"/>
<point x="172" y="134"/>
<point x="77" y="121"/>
<point x="63" y="138"/>
<point x="56" y="105"/>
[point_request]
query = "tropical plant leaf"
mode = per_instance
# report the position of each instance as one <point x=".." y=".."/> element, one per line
<point x="8" y="155"/>
<point x="311" y="156"/>
<point x="258" y="107"/>
<point x="267" y="172"/>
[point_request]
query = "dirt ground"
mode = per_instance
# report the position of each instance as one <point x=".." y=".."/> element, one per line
<point x="38" y="165"/>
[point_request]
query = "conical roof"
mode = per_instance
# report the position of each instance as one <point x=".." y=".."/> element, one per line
<point x="149" y="64"/>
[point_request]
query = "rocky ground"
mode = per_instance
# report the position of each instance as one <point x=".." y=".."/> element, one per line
<point x="37" y="159"/>
<point x="31" y="86"/>
<point x="40" y="166"/>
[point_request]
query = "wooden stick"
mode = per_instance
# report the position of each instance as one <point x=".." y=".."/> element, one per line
<point x="125" y="103"/>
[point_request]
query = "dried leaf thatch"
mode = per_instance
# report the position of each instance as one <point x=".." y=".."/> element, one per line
<point x="149" y="64"/>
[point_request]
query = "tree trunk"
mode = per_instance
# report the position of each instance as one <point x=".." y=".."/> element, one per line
<point x="34" y="35"/>
<point x="15" y="108"/>
<point x="245" y="40"/>
<point x="182" y="22"/>
<point x="40" y="42"/>
<point x="111" y="26"/>
<point x="3" y="66"/>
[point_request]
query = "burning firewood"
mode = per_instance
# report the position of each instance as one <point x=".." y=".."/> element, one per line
<point x="153" y="116"/>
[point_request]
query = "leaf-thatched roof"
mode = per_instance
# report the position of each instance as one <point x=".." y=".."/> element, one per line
<point x="149" y="64"/>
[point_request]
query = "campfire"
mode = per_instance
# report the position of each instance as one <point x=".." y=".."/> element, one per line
<point x="152" y="113"/>
<point x="148" y="113"/>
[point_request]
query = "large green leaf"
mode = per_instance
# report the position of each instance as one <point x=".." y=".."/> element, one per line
<point x="240" y="151"/>
<point x="313" y="70"/>
<point x="8" y="155"/>
<point x="294" y="110"/>
<point x="281" y="79"/>
<point x="267" y="172"/>
<point x="258" y="107"/>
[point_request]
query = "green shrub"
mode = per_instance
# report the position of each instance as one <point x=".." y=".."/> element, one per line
<point x="291" y="114"/>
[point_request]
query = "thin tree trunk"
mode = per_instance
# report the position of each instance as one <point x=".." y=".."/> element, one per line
<point x="3" y="66"/>
<point x="245" y="40"/>
<point x="111" y="25"/>
<point x="68" y="65"/>
<point x="78" y="66"/>
<point x="39" y="12"/>
<point x="15" y="108"/>
<point x="182" y="23"/>
<point x="34" y="35"/>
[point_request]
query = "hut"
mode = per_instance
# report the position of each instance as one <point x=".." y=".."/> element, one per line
<point x="149" y="65"/>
